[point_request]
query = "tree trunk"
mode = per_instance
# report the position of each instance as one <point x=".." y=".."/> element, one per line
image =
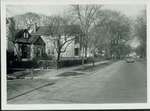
<point x="86" y="46"/>
<point x="86" y="51"/>
<point x="93" y="61"/>
<point x="58" y="60"/>
<point x="18" y="56"/>
<point x="83" y="57"/>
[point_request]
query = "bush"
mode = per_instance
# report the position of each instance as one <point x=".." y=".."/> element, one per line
<point x="71" y="62"/>
<point x="10" y="58"/>
<point x="67" y="63"/>
<point x="44" y="57"/>
<point x="46" y="63"/>
<point x="25" y="64"/>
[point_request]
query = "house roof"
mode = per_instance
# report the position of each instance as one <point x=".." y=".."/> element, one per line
<point x="20" y="33"/>
<point x="69" y="29"/>
<point x="20" y="38"/>
<point x="43" y="30"/>
<point x="31" y="40"/>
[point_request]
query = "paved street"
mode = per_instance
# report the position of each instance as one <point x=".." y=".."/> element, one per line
<point x="119" y="82"/>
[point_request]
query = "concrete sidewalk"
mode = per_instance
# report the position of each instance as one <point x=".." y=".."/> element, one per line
<point x="52" y="73"/>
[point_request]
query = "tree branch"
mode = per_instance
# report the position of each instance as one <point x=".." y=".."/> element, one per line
<point x="67" y="41"/>
<point x="66" y="47"/>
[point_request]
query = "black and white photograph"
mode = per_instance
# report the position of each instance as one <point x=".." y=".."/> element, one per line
<point x="74" y="53"/>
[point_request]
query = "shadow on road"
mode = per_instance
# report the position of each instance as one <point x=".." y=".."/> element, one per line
<point x="70" y="74"/>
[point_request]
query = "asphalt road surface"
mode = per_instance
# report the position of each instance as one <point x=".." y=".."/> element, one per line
<point x="119" y="82"/>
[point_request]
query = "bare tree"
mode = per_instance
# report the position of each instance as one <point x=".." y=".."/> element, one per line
<point x="11" y="34"/>
<point x="86" y="16"/>
<point x="62" y="37"/>
<point x="11" y="29"/>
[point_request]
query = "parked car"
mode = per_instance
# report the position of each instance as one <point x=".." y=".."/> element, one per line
<point x="130" y="60"/>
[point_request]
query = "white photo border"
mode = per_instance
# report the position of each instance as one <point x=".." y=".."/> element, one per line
<point x="67" y="106"/>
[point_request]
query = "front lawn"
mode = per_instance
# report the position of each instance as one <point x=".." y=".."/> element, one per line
<point x="26" y="73"/>
<point x="20" y="87"/>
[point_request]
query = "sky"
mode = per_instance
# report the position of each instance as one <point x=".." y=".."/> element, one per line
<point x="11" y="10"/>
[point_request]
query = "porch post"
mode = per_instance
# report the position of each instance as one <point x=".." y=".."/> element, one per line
<point x="32" y="52"/>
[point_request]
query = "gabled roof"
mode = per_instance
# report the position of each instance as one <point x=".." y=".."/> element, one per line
<point x="31" y="40"/>
<point x="42" y="30"/>
<point x="69" y="29"/>
<point x="20" y="38"/>
<point x="20" y="33"/>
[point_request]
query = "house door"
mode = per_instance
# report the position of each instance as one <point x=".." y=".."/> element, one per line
<point x="25" y="51"/>
<point x="38" y="52"/>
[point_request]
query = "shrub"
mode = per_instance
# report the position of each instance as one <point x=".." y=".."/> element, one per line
<point x="71" y="62"/>
<point x="10" y="58"/>
<point x="46" y="63"/>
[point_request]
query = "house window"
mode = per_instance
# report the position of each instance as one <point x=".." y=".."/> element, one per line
<point x="76" y="51"/>
<point x="76" y="39"/>
<point x="26" y="35"/>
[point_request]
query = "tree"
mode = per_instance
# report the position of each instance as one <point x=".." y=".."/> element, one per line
<point x="11" y="25"/>
<point x="140" y="32"/>
<point x="63" y="34"/>
<point x="98" y="40"/>
<point x="86" y="16"/>
<point x="27" y="20"/>
<point x="115" y="29"/>
<point x="11" y="33"/>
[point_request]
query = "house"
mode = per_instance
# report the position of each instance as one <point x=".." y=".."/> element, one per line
<point x="36" y="41"/>
<point x="28" y="46"/>
<point x="73" y="49"/>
